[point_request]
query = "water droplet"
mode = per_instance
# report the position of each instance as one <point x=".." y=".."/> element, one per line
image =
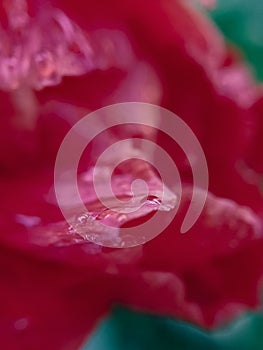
<point x="105" y="221"/>
<point x="85" y="218"/>
<point x="112" y="216"/>
<point x="27" y="221"/>
<point x="71" y="230"/>
<point x="152" y="200"/>
<point x="21" y="324"/>
<point x="45" y="63"/>
<point x="122" y="218"/>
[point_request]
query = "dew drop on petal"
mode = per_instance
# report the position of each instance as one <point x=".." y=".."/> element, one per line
<point x="21" y="324"/>
<point x="37" y="51"/>
<point x="27" y="221"/>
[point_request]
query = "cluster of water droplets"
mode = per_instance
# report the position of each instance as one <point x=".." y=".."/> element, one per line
<point x="38" y="50"/>
<point x="102" y="222"/>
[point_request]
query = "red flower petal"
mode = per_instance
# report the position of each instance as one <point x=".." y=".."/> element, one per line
<point x="178" y="59"/>
<point x="215" y="260"/>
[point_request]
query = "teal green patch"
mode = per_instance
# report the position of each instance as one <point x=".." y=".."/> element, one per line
<point x="241" y="21"/>
<point x="129" y="330"/>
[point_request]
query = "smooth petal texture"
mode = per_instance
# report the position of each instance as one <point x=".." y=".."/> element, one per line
<point x="211" y="260"/>
<point x="44" y="304"/>
<point x="255" y="158"/>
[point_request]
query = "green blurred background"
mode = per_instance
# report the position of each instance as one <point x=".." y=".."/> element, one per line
<point x="241" y="21"/>
<point x="128" y="330"/>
